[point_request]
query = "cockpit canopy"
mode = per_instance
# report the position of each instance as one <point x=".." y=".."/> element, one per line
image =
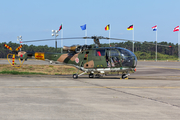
<point x="128" y="57"/>
<point x="117" y="55"/>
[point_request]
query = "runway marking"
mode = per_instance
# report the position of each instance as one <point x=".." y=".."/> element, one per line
<point x="130" y="87"/>
<point x="159" y="77"/>
<point x="136" y="95"/>
<point x="162" y="67"/>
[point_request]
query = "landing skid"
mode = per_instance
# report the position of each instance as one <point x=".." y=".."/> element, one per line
<point x="91" y="75"/>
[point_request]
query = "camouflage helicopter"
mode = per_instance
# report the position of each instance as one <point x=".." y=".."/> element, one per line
<point x="93" y="60"/>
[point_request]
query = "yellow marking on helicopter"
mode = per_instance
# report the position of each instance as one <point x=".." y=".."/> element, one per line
<point x="99" y="65"/>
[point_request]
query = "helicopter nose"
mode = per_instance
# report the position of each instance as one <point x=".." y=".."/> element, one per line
<point x="135" y="61"/>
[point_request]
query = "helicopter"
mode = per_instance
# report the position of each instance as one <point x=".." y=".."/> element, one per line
<point x="95" y="61"/>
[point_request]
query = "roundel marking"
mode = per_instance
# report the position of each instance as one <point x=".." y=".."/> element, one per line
<point x="77" y="60"/>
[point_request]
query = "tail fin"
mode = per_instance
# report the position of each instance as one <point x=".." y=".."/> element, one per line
<point x="22" y="55"/>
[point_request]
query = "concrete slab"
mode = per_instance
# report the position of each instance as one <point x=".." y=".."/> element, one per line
<point x="152" y="93"/>
<point x="38" y="97"/>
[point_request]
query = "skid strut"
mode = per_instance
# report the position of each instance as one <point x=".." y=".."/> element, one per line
<point x="75" y="76"/>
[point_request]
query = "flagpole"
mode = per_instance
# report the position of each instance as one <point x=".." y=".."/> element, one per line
<point x="62" y="40"/>
<point x="133" y="39"/>
<point x="156" y="45"/>
<point x="178" y="47"/>
<point x="109" y="38"/>
<point x="86" y="36"/>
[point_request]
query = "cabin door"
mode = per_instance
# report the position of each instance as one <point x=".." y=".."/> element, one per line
<point x="113" y="58"/>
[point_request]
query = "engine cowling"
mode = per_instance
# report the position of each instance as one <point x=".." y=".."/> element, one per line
<point x="76" y="48"/>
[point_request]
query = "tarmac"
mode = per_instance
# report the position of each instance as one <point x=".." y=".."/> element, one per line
<point x="151" y="93"/>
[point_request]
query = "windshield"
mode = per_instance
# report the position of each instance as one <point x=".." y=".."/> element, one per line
<point x="125" y="52"/>
<point x="128" y="58"/>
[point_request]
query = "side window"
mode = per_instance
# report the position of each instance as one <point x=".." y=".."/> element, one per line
<point x="100" y="52"/>
<point x="114" y="58"/>
<point x="114" y="53"/>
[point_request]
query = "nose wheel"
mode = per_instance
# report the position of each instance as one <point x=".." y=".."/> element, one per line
<point x="124" y="76"/>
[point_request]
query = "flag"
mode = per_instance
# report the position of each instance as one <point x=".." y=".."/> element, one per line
<point x="154" y="28"/>
<point x="130" y="27"/>
<point x="107" y="27"/>
<point x="176" y="29"/>
<point x="83" y="27"/>
<point x="60" y="27"/>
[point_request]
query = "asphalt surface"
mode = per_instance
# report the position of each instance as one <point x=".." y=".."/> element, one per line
<point x="152" y="93"/>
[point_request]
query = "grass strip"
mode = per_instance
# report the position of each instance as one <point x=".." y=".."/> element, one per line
<point x="21" y="73"/>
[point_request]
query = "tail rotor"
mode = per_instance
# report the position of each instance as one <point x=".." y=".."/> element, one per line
<point x="14" y="53"/>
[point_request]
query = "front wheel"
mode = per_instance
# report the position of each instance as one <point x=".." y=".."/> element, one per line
<point x="124" y="76"/>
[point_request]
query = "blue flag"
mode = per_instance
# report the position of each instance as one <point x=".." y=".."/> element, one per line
<point x="83" y="27"/>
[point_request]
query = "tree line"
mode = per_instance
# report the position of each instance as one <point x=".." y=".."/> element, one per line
<point x="149" y="48"/>
<point x="138" y="47"/>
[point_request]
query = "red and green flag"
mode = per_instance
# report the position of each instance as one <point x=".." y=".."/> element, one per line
<point x="60" y="27"/>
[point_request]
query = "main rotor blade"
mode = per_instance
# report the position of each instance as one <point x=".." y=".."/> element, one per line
<point x="92" y="37"/>
<point x="8" y="47"/>
<point x="51" y="39"/>
<point x="138" y="41"/>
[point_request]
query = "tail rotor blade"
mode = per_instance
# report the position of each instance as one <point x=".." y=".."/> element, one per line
<point x="13" y="59"/>
<point x="8" y="47"/>
<point x="18" y="47"/>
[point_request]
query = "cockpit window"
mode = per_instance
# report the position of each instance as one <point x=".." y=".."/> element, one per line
<point x="100" y="52"/>
<point x="128" y="58"/>
<point x="125" y="52"/>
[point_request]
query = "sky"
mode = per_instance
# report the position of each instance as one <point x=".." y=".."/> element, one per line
<point x="35" y="19"/>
